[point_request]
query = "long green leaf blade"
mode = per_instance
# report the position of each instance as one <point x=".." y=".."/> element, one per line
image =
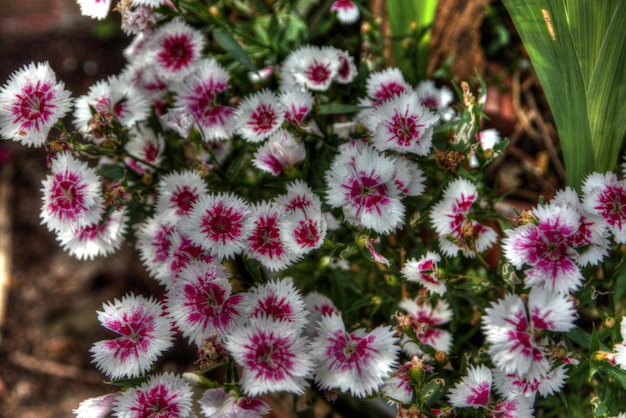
<point x="226" y="40"/>
<point x="607" y="94"/>
<point x="542" y="25"/>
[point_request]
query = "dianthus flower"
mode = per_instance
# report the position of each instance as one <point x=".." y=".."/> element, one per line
<point x="347" y="11"/>
<point x="219" y="223"/>
<point x="259" y="116"/>
<point x="265" y="243"/>
<point x="297" y="105"/>
<point x="402" y="124"/>
<point x="162" y="396"/>
<point x="279" y="152"/>
<point x="424" y="271"/>
<point x="176" y="49"/>
<point x="31" y="102"/>
<point x="144" y="333"/>
<point x="273" y="356"/>
<point x="145" y="149"/>
<point x="177" y="192"/>
<point x="116" y="98"/>
<point x="182" y="251"/>
<point x="95" y="9"/>
<point x="451" y="219"/>
<point x="98" y="407"/>
<point x="515" y="333"/>
<point x="550" y="246"/>
<point x="435" y="98"/>
<point x="198" y="96"/>
<point x="620" y="348"/>
<point x="200" y="301"/>
<point x="310" y="67"/>
<point x="222" y="404"/>
<point x="71" y="194"/>
<point x="356" y="361"/>
<point x="98" y="239"/>
<point x="154" y="243"/>
<point x="422" y="319"/>
<point x="605" y="195"/>
<point x="474" y="389"/>
<point x="361" y="183"/>
<point x="279" y="300"/>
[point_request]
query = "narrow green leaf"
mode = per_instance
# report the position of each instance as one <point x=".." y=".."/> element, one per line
<point x="588" y="22"/>
<point x="615" y="372"/>
<point x="226" y="40"/>
<point x="334" y="109"/>
<point x="543" y="27"/>
<point x="402" y="15"/>
<point x="607" y="94"/>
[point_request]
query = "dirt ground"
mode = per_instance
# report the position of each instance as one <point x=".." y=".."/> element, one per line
<point x="50" y="321"/>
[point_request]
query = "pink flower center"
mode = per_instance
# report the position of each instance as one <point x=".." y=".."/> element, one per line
<point x="612" y="205"/>
<point x="479" y="395"/>
<point x="318" y="73"/>
<point x="366" y="193"/>
<point x="34" y="105"/>
<point x="263" y="119"/>
<point x="349" y="352"/>
<point x="307" y="233"/>
<point x="66" y="197"/>
<point x="266" y="237"/>
<point x="177" y="52"/>
<point x="269" y="356"/>
<point x="275" y="307"/>
<point x="387" y="91"/>
<point x="222" y="224"/>
<point x="183" y="199"/>
<point x="157" y="402"/>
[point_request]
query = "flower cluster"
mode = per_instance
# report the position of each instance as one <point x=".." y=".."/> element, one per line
<point x="314" y="220"/>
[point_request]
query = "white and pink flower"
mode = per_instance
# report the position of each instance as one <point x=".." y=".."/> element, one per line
<point x="474" y="389"/>
<point x="402" y="124"/>
<point x="200" y="301"/>
<point x="264" y="242"/>
<point x="177" y="192"/>
<point x="222" y="404"/>
<point x="514" y="331"/>
<point x="219" y="223"/>
<point x="365" y="190"/>
<point x="425" y="272"/>
<point x="176" y="49"/>
<point x="355" y="362"/>
<point x="424" y="321"/>
<point x="144" y="333"/>
<point x="273" y="356"/>
<point x="279" y="152"/>
<point x="72" y="195"/>
<point x="98" y="239"/>
<point x="310" y="67"/>
<point x="163" y="395"/>
<point x="347" y="11"/>
<point x="31" y="102"/>
<point x="605" y="195"/>
<point x="259" y="116"/>
<point x="452" y="221"/>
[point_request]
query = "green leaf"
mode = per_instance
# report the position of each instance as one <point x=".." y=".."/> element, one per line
<point x="615" y="372"/>
<point x="543" y="28"/>
<point x="607" y="93"/>
<point x="226" y="40"/>
<point x="112" y="171"/>
<point x="335" y="109"/>
<point x="402" y="15"/>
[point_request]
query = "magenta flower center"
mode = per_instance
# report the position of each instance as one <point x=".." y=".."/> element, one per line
<point x="367" y="192"/>
<point x="177" y="52"/>
<point x="612" y="206"/>
<point x="34" y="105"/>
<point x="156" y="402"/>
<point x="263" y="119"/>
<point x="183" y="199"/>
<point x="222" y="224"/>
<point x="318" y="73"/>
